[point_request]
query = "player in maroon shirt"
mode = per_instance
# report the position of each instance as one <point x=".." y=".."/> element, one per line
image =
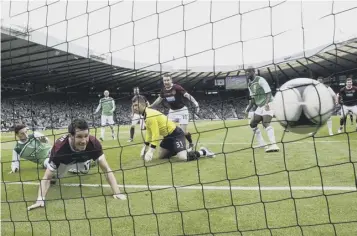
<point x="175" y="95"/>
<point x="347" y="97"/>
<point x="73" y="151"/>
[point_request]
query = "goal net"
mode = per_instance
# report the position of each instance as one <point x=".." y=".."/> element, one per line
<point x="58" y="57"/>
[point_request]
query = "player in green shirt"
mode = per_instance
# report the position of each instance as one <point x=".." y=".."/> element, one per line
<point x="262" y="97"/>
<point x="32" y="147"/>
<point x="108" y="107"/>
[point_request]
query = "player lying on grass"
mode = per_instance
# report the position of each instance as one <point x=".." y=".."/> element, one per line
<point x="74" y="150"/>
<point x="173" y="143"/>
<point x="32" y="147"/>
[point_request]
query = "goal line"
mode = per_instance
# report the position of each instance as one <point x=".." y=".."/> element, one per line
<point x="241" y="188"/>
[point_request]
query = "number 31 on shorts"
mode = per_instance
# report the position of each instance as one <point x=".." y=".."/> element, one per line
<point x="179" y="144"/>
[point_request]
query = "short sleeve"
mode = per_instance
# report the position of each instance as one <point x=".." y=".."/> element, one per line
<point x="264" y="84"/>
<point x="54" y="161"/>
<point x="97" y="149"/>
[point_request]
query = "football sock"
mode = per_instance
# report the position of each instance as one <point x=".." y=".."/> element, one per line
<point x="132" y="130"/>
<point x="259" y="136"/>
<point x="271" y="135"/>
<point x="329" y="126"/>
<point x="188" y="137"/>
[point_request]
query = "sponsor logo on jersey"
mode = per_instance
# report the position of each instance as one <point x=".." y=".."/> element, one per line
<point x="170" y="99"/>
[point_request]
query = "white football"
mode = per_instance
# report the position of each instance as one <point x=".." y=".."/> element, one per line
<point x="303" y="105"/>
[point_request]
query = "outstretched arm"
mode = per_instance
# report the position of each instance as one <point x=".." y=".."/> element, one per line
<point x="193" y="100"/>
<point x="110" y="178"/>
<point x="41" y="137"/>
<point x="42" y="190"/>
<point x="15" y="164"/>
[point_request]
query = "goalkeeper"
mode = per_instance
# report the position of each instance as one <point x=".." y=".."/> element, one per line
<point x="174" y="141"/>
<point x="32" y="147"/>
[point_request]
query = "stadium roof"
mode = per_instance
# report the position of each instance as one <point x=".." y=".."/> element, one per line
<point x="23" y="61"/>
<point x="111" y="44"/>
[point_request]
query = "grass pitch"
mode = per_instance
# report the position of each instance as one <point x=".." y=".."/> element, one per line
<point x="243" y="191"/>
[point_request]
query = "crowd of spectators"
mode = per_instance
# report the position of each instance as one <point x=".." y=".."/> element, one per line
<point x="56" y="113"/>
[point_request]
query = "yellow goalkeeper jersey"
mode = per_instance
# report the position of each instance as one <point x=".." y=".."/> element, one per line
<point x="157" y="124"/>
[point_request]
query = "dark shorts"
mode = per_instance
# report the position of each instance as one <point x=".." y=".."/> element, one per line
<point x="174" y="142"/>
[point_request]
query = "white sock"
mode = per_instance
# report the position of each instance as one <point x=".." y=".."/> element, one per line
<point x="102" y="132"/>
<point x="329" y="126"/>
<point x="259" y="136"/>
<point x="271" y="135"/>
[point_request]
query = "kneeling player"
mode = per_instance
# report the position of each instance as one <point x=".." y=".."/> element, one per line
<point x="173" y="143"/>
<point x="261" y="95"/>
<point x="74" y="150"/>
<point x="32" y="147"/>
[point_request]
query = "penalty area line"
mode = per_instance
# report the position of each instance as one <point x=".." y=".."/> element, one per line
<point x="241" y="188"/>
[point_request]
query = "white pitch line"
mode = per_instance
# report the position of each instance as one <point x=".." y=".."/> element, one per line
<point x="286" y="142"/>
<point x="243" y="188"/>
<point x="246" y="143"/>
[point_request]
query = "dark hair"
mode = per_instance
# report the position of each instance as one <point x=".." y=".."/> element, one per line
<point x="250" y="69"/>
<point x="139" y="99"/>
<point x="19" y="127"/>
<point x="80" y="124"/>
<point x="349" y="79"/>
<point x="167" y="75"/>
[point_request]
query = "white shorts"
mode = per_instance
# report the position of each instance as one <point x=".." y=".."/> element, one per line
<point x="180" y="116"/>
<point x="262" y="112"/>
<point x="107" y="120"/>
<point x="347" y="109"/>
<point x="138" y="119"/>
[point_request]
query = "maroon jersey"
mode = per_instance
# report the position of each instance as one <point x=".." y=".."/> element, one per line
<point x="349" y="96"/>
<point x="62" y="152"/>
<point x="174" y="96"/>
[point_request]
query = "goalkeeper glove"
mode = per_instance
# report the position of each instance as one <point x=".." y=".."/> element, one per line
<point x="149" y="154"/>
